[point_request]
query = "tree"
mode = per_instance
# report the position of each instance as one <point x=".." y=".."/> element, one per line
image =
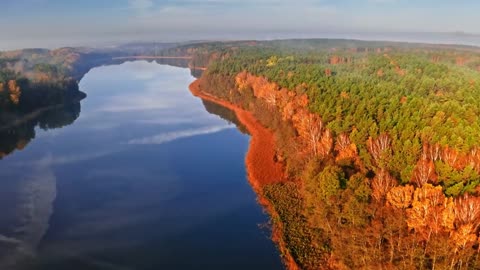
<point x="401" y="196"/>
<point x="379" y="148"/>
<point x="14" y="91"/>
<point x="344" y="147"/>
<point x="424" y="172"/>
<point x="326" y="184"/>
<point x="310" y="129"/>
<point x="431" y="212"/>
<point x="382" y="183"/>
<point x="467" y="212"/>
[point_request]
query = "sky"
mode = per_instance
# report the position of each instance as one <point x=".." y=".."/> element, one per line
<point x="55" y="23"/>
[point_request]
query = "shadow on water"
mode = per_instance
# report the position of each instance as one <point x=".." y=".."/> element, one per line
<point x="226" y="114"/>
<point x="17" y="129"/>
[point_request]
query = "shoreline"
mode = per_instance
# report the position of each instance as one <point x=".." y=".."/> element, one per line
<point x="150" y="57"/>
<point x="261" y="166"/>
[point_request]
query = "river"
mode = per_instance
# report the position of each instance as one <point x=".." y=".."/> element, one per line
<point x="142" y="175"/>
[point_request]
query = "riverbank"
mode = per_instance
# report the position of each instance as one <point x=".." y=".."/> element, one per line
<point x="262" y="169"/>
<point x="140" y="57"/>
<point x="260" y="159"/>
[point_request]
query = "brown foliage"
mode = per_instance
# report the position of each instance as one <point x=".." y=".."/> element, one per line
<point x="302" y="101"/>
<point x="288" y="111"/>
<point x="453" y="158"/>
<point x="261" y="165"/>
<point x="435" y="58"/>
<point x="335" y="60"/>
<point x="464" y="236"/>
<point x="400" y="71"/>
<point x="310" y="128"/>
<point x="241" y="81"/>
<point x="261" y="87"/>
<point x="14" y="91"/>
<point x="380" y="73"/>
<point x="473" y="159"/>
<point x="288" y="102"/>
<point x="432" y="152"/>
<point x="467" y="212"/>
<point x="344" y="148"/>
<point x="379" y="147"/>
<point x="401" y="196"/>
<point x="328" y="72"/>
<point x="460" y="61"/>
<point x="424" y="172"/>
<point x="382" y="183"/>
<point x="431" y="212"/>
<point x="326" y="143"/>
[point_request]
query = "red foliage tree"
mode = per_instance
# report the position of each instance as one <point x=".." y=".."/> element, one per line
<point x="345" y="148"/>
<point x="382" y="183"/>
<point x="379" y="147"/>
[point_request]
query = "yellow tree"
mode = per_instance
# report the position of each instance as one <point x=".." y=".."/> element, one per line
<point x="401" y="197"/>
<point x="424" y="172"/>
<point x="344" y="147"/>
<point x="310" y="130"/>
<point x="431" y="212"/>
<point x="382" y="183"/>
<point x="14" y="91"/>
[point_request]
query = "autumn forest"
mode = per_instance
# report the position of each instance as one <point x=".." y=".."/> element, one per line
<point x="379" y="143"/>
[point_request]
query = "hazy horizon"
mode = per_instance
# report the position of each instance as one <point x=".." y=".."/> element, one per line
<point x="55" y="23"/>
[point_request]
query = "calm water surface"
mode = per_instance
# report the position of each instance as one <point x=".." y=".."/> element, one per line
<point x="145" y="178"/>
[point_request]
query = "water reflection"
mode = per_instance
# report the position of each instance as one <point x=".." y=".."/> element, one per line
<point x="17" y="129"/>
<point x="195" y="71"/>
<point x="225" y="114"/>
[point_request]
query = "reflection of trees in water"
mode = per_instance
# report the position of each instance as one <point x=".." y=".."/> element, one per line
<point x="59" y="117"/>
<point x="17" y="129"/>
<point x="195" y="71"/>
<point x="224" y="113"/>
<point x="30" y="192"/>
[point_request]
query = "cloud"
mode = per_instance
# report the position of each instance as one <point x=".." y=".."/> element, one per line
<point x="235" y="16"/>
<point x="175" y="135"/>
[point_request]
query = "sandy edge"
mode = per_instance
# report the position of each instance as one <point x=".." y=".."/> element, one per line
<point x="261" y="166"/>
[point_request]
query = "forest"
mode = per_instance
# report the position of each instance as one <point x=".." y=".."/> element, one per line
<point x="379" y="142"/>
<point x="37" y="88"/>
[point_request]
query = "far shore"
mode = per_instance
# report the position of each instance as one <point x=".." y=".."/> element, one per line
<point x="151" y="57"/>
